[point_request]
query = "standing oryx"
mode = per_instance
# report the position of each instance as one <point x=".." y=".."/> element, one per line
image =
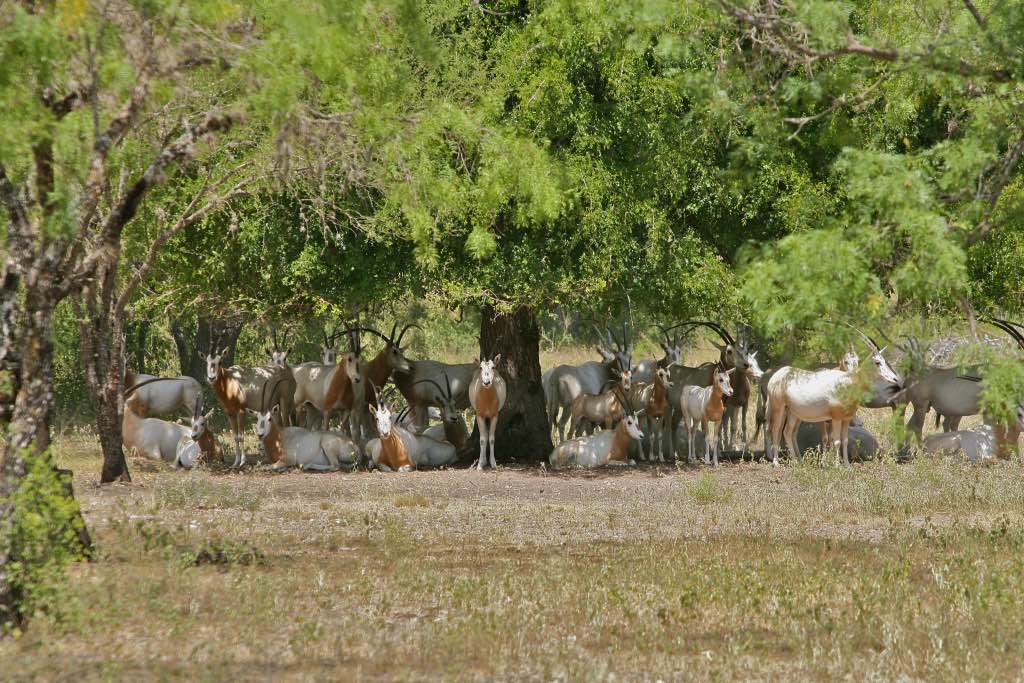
<point x="325" y="388"/>
<point x="300" y="447"/>
<point x="239" y="389"/>
<point x="420" y="396"/>
<point x="592" y="410"/>
<point x="389" y="360"/>
<point x="564" y="383"/>
<point x="645" y="370"/>
<point x="279" y="352"/>
<point x="607" y="447"/>
<point x="654" y="399"/>
<point x="170" y="396"/>
<point x="732" y="354"/>
<point x="796" y="396"/>
<point x="703" y="405"/>
<point x="487" y="393"/>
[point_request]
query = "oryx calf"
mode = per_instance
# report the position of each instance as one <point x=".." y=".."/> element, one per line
<point x="396" y="448"/>
<point x="602" y="409"/>
<point x="654" y="399"/>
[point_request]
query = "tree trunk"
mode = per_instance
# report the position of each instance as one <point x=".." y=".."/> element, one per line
<point x="523" y="433"/>
<point x="193" y="346"/>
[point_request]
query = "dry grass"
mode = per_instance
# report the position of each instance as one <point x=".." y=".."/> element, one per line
<point x="880" y="571"/>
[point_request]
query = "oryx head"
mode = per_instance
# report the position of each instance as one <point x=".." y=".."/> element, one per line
<point x="882" y="369"/>
<point x="444" y="398"/>
<point x="278" y="352"/>
<point x="850" y="361"/>
<point x="199" y="419"/>
<point x="671" y="345"/>
<point x="487" y="373"/>
<point x="265" y="418"/>
<point x="329" y="349"/>
<point x="213" y="367"/>
<point x="661" y="376"/>
<point x="394" y="352"/>
<point x="624" y="377"/>
<point x="630" y="421"/>
<point x="732" y="353"/>
<point x="721" y="379"/>
<point x="381" y="413"/>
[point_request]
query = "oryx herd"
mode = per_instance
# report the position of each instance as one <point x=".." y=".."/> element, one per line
<point x="615" y="409"/>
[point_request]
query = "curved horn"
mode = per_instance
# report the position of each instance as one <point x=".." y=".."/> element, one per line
<point x="718" y="329"/>
<point x="439" y="388"/>
<point x="405" y="329"/>
<point x="389" y="340"/>
<point x="143" y="383"/>
<point x="448" y="384"/>
<point x="199" y="405"/>
<point x="867" y="340"/>
<point x="664" y="333"/>
<point x="1010" y="329"/>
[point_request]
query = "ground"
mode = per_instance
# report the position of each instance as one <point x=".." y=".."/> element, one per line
<point x="882" y="571"/>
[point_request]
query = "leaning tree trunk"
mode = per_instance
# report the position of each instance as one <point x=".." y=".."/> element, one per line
<point x="523" y="433"/>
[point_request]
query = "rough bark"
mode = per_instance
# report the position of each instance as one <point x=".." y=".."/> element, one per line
<point x="194" y="340"/>
<point x="523" y="433"/>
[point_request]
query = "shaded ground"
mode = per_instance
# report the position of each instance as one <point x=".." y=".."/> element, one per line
<point x="799" y="572"/>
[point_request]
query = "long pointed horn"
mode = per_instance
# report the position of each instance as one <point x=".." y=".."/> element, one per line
<point x="405" y="329"/>
<point x="440" y="389"/>
<point x="448" y="384"/>
<point x="664" y="333"/>
<point x="867" y="340"/>
<point x="388" y="340"/>
<point x="711" y="326"/>
<point x="143" y="383"/>
<point x="1009" y="328"/>
<point x="199" y="405"/>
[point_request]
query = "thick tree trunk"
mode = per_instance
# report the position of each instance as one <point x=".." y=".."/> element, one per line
<point x="523" y="433"/>
<point x="194" y="341"/>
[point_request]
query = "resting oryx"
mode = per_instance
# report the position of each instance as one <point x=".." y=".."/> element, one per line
<point x="796" y="396"/>
<point x="239" y="389"/>
<point x="303" y="448"/>
<point x="161" y="440"/>
<point x="983" y="443"/>
<point x="607" y="447"/>
<point x="487" y="393"/>
<point x="396" y="448"/>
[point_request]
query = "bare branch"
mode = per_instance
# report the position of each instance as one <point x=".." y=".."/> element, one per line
<point x="982" y="22"/>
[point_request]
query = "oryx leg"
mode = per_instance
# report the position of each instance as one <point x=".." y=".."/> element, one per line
<point x="844" y="439"/>
<point x="743" y="433"/>
<point x="237" y="425"/>
<point x="563" y="418"/>
<point x="691" y="426"/>
<point x="718" y="428"/>
<point x="481" y="425"/>
<point x="916" y="422"/>
<point x="792" y="423"/>
<point x="707" y="441"/>
<point x="491" y="429"/>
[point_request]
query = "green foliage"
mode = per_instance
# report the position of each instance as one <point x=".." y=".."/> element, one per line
<point x="44" y="540"/>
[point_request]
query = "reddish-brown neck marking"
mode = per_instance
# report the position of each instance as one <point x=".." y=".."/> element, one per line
<point x="228" y="392"/>
<point x="620" y="443"/>
<point x="272" y="443"/>
<point x="339" y="389"/>
<point x="487" y="401"/>
<point x="715" y="408"/>
<point x="393" y="453"/>
<point x="657" y="404"/>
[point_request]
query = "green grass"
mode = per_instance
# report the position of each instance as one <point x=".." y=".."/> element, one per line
<point x="802" y="572"/>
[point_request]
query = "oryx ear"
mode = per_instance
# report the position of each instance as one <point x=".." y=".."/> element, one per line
<point x="251" y="411"/>
<point x="276" y="410"/>
<point x="476" y="361"/>
<point x="497" y="359"/>
<point x="224" y="351"/>
<point x="730" y="371"/>
<point x="208" y="414"/>
<point x="373" y="410"/>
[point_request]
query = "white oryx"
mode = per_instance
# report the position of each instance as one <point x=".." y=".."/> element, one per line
<point x="452" y="428"/>
<point x="158" y="439"/>
<point x="171" y="396"/>
<point x="303" y="448"/>
<point x="983" y="443"/>
<point x="325" y="388"/>
<point x="796" y="396"/>
<point x="608" y="447"/>
<point x="239" y="389"/>
<point x="487" y="393"/>
<point x="396" y="448"/>
<point x="703" y="405"/>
